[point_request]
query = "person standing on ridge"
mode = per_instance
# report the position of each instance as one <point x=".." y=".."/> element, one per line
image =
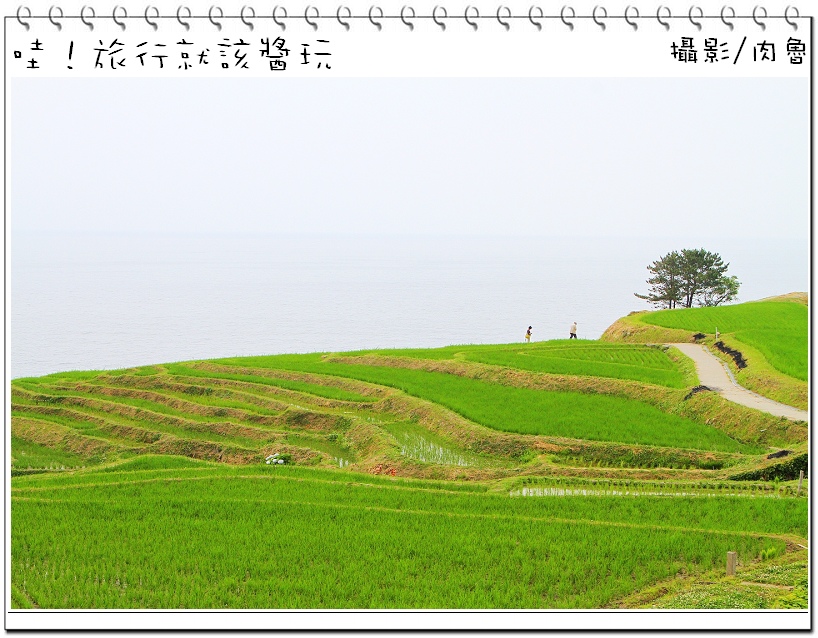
<point x="528" y="335"/>
<point x="573" y="331"/>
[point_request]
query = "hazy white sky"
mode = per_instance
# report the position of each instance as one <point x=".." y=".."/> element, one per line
<point x="696" y="157"/>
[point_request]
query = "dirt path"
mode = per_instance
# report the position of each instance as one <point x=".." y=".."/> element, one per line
<point x="715" y="375"/>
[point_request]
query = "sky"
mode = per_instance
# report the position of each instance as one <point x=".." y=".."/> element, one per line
<point x="653" y="157"/>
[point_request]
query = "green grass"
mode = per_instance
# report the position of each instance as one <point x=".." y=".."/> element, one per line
<point x="787" y="353"/>
<point x="265" y="537"/>
<point x="777" y="329"/>
<point x="783" y="585"/>
<point x="74" y="375"/>
<point x="523" y="410"/>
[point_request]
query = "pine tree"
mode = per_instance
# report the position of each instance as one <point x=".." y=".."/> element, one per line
<point x="688" y="277"/>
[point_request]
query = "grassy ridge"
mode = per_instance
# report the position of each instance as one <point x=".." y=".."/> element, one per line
<point x="304" y="540"/>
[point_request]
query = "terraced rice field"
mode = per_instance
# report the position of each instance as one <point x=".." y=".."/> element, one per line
<point x="528" y="411"/>
<point x="149" y="487"/>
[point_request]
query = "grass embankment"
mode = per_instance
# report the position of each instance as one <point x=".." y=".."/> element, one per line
<point x="771" y="335"/>
<point x="278" y="537"/>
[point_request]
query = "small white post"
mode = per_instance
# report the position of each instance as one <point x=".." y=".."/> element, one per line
<point x="731" y="563"/>
<point x="800" y="481"/>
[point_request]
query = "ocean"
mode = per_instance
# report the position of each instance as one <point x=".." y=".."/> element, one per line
<point x="81" y="301"/>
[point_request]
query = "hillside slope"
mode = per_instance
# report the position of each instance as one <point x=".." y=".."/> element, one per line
<point x="764" y="342"/>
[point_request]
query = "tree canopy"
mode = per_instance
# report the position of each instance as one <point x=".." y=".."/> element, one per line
<point x="690" y="276"/>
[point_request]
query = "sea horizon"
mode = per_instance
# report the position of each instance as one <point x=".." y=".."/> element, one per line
<point x="109" y="300"/>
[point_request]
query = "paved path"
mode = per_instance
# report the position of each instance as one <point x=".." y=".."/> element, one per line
<point x="713" y="373"/>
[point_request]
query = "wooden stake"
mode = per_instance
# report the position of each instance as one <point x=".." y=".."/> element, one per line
<point x="732" y="559"/>
<point x="800" y="480"/>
